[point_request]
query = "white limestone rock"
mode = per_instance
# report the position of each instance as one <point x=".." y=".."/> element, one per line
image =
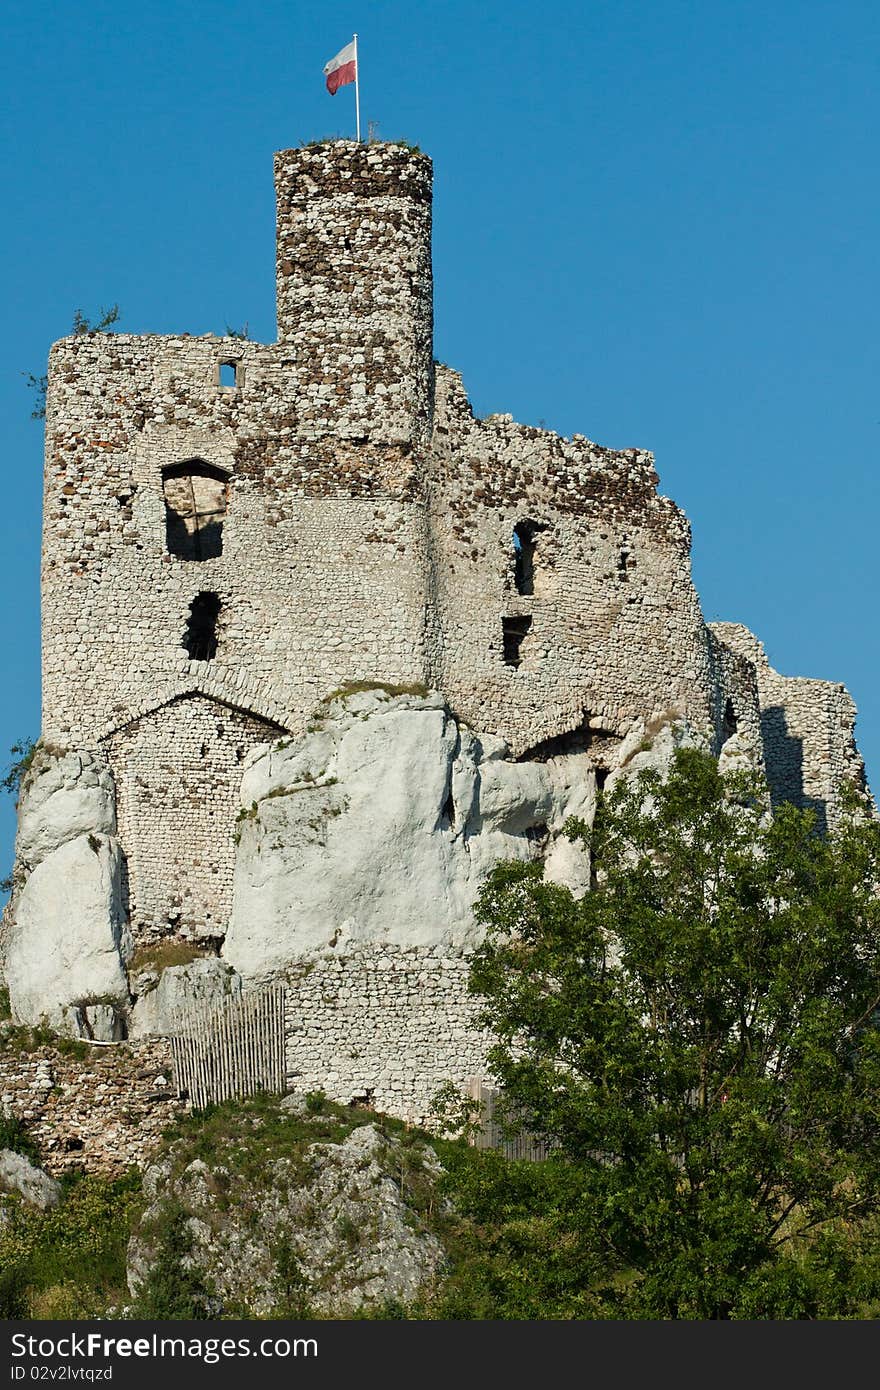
<point x="339" y="1209"/>
<point x="18" y="1174"/>
<point x="63" y="796"/>
<point x="651" y="746"/>
<point x="382" y="826"/>
<point x="158" y="1006"/>
<point x="69" y="939"/>
<point x="740" y="753"/>
<point x="100" y="1022"/>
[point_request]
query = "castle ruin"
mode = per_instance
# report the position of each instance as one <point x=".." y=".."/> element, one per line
<point x="236" y="532"/>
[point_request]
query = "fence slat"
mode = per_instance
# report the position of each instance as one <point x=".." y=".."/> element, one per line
<point x="490" y="1134"/>
<point x="231" y="1050"/>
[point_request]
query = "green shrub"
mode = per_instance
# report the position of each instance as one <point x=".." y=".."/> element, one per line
<point x="13" y="1135"/>
<point x="175" y="1288"/>
<point x="78" y="1246"/>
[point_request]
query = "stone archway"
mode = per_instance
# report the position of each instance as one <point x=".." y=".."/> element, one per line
<point x="178" y="772"/>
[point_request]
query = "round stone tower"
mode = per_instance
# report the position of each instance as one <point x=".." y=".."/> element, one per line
<point x="355" y="301"/>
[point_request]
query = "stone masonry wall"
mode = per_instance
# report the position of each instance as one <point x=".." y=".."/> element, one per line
<point x="737" y="704"/>
<point x="367" y="536"/>
<point x="616" y="630"/>
<point x="104" y="1113"/>
<point x="178" y="774"/>
<point x="807" y="730"/>
<point x="315" y="587"/>
<point x="355" y="301"/>
<point x="389" y="1025"/>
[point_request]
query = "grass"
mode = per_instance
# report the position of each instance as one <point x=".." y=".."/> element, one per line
<point x="158" y="955"/>
<point x="359" y="687"/>
<point x="24" y="1038"/>
<point x="249" y="1135"/>
<point x="517" y="1235"/>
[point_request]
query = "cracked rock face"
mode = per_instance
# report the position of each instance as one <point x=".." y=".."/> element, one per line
<point x="61" y="798"/>
<point x="66" y="934"/>
<point x="69" y="941"/>
<point x="338" y="1214"/>
<point x="382" y="824"/>
<point x="19" y="1175"/>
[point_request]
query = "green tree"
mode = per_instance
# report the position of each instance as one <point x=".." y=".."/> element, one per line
<point x="22" y="756"/>
<point x="698" y="1036"/>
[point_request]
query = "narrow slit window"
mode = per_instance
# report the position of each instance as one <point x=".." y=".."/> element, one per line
<point x="196" y="496"/>
<point x="200" y="637"/>
<point x="514" y="630"/>
<point x="730" y="723"/>
<point x="525" y="540"/>
<point x="227" y="375"/>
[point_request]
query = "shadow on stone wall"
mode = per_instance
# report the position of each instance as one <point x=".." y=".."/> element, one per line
<point x="784" y="756"/>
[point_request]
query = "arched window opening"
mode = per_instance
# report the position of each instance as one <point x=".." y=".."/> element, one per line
<point x="227" y="375"/>
<point x="200" y="637"/>
<point x="514" y="630"/>
<point x="525" y="540"/>
<point x="730" y="723"/>
<point x="196" y="496"/>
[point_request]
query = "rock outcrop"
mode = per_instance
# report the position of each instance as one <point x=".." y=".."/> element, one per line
<point x="160" y="996"/>
<point x="66" y="939"/>
<point x="382" y="824"/>
<point x="336" y="1226"/>
<point x="63" y="796"/>
<point x="19" y="1175"/>
<point x="651" y="745"/>
<point x="69" y="941"/>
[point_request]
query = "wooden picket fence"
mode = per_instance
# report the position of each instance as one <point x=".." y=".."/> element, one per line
<point x="520" y="1144"/>
<point x="234" y="1049"/>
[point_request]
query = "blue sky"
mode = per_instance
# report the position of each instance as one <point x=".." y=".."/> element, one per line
<point x="655" y="224"/>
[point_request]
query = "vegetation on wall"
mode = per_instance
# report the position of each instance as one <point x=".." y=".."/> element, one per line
<point x="103" y="323"/>
<point x="22" y="755"/>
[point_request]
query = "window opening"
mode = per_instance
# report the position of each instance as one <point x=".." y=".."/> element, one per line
<point x="196" y="497"/>
<point x="200" y="638"/>
<point x="525" y="539"/>
<point x="514" y="630"/>
<point x="228" y="375"/>
<point x="730" y="723"/>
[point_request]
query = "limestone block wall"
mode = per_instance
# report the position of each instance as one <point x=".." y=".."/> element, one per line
<point x="355" y="302"/>
<point x="178" y="773"/>
<point x="388" y="1025"/>
<point x="807" y="730"/>
<point x="234" y="530"/>
<point x="615" y="630"/>
<point x="737" y="702"/>
<point x="315" y="585"/>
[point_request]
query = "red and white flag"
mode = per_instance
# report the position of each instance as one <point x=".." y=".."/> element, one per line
<point x="342" y="69"/>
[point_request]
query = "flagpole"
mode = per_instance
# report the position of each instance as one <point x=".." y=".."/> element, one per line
<point x="357" y="93"/>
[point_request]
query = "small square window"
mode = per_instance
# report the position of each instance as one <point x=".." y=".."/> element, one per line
<point x="227" y="375"/>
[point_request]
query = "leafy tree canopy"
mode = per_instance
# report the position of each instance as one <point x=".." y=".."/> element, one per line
<point x="698" y="1036"/>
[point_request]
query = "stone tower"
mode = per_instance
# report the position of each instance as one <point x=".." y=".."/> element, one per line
<point x="231" y="530"/>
